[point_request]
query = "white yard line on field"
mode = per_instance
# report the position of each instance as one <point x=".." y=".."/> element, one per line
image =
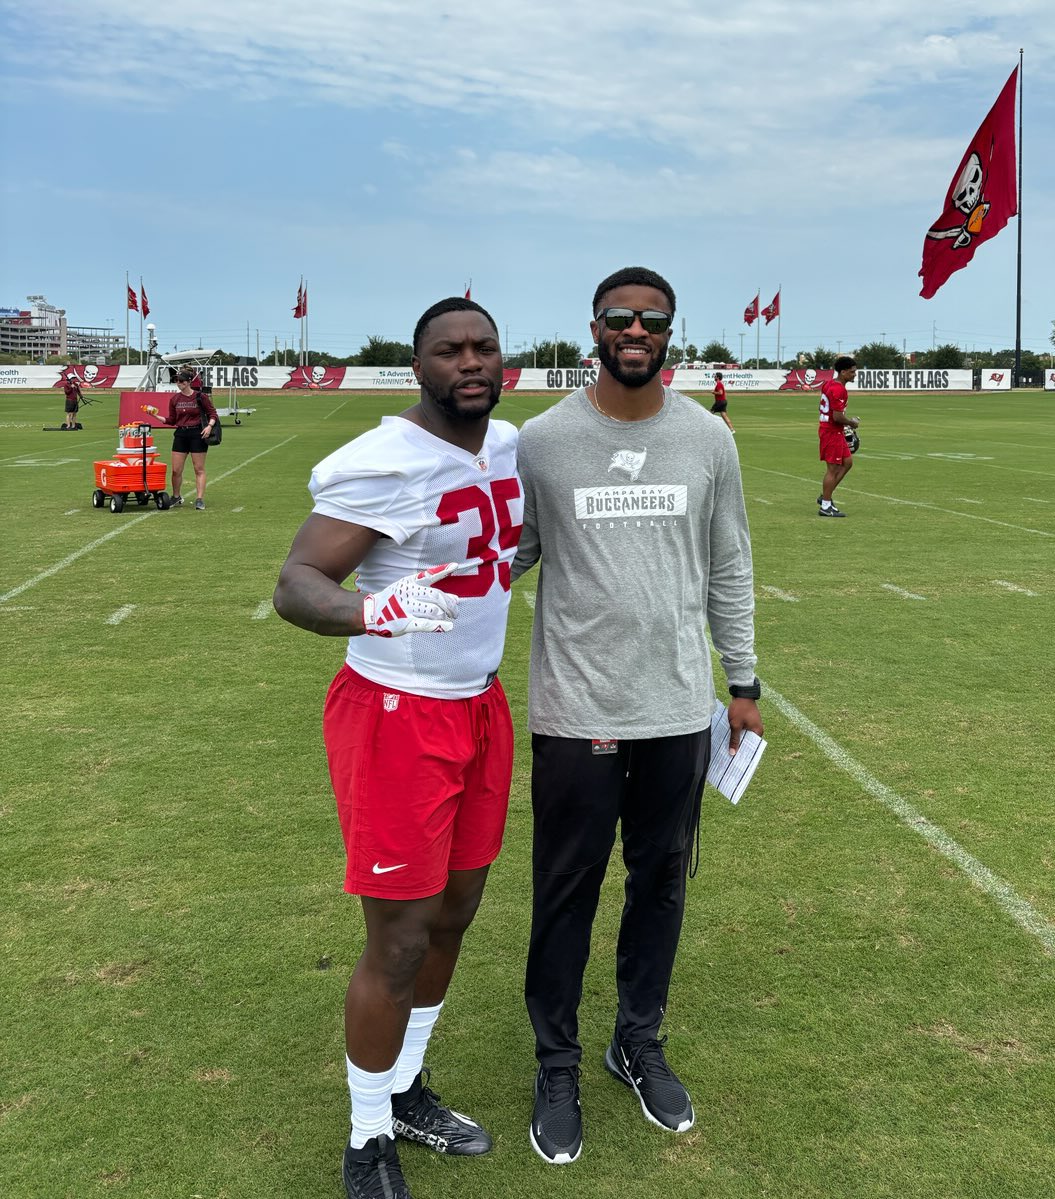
<point x="529" y="599"/>
<point x="786" y="596"/>
<point x="1012" y="587"/>
<point x="239" y="509"/>
<point x="760" y="500"/>
<point x="890" y="499"/>
<point x="71" y="512"/>
<point x="122" y="528"/>
<point x="1020" y="910"/>
<point x="1032" y="499"/>
<point x="902" y="592"/>
<point x="962" y="499"/>
<point x="120" y="614"/>
<point x="337" y="409"/>
<point x="263" y="610"/>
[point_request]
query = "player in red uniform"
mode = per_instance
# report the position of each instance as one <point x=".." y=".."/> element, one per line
<point x="720" y="404"/>
<point x="834" y="448"/>
<point x="427" y="509"/>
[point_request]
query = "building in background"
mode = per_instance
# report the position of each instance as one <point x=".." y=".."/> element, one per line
<point x="42" y="331"/>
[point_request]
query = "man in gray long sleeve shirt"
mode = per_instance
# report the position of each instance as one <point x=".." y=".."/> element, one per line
<point x="633" y="501"/>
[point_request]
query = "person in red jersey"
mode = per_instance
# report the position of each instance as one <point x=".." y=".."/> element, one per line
<point x="71" y="385"/>
<point x="720" y="404"/>
<point x="427" y="509"/>
<point x="835" y="450"/>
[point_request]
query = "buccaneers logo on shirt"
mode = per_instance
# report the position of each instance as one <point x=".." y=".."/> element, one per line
<point x="630" y="462"/>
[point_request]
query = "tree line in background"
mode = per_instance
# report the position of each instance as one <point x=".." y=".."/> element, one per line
<point x="875" y="355"/>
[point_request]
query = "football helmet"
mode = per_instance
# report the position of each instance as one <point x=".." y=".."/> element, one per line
<point x="852" y="439"/>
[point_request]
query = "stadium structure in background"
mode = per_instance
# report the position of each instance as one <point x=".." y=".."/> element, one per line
<point x="42" y="331"/>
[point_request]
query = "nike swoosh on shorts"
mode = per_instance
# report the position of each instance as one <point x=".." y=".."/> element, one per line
<point x="379" y="869"/>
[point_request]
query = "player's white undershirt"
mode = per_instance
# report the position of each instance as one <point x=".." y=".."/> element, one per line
<point x="432" y="502"/>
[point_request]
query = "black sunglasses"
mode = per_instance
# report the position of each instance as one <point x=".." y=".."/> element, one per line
<point x="651" y="320"/>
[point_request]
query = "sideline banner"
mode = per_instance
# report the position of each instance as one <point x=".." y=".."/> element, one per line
<point x="1049" y="380"/>
<point x="996" y="380"/>
<point x="364" y="378"/>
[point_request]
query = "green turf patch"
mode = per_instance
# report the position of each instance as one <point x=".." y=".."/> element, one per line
<point x="853" y="1012"/>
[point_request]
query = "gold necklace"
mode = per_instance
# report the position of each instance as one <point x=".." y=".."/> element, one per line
<point x="597" y="405"/>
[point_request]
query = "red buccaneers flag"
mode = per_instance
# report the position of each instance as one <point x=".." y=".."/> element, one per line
<point x="982" y="196"/>
<point x="751" y="311"/>
<point x="469" y="290"/>
<point x="133" y="302"/>
<point x="144" y="306"/>
<point x="771" y="311"/>
<point x="298" y="312"/>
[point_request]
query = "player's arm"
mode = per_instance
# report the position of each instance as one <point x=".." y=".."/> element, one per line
<point x="309" y="592"/>
<point x="324" y="553"/>
<point x="730" y="601"/>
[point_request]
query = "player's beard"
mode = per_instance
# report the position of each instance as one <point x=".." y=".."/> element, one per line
<point x="446" y="399"/>
<point x="631" y="378"/>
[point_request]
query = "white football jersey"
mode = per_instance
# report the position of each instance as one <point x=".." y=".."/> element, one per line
<point x="432" y="502"/>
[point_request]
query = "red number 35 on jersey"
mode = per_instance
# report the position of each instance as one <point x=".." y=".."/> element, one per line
<point x="491" y="503"/>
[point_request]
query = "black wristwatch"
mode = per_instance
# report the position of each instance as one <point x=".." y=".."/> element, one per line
<point x="752" y="691"/>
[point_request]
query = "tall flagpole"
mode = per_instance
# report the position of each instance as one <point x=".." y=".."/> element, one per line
<point x="307" y="356"/>
<point x="1018" y="300"/>
<point x="140" y="320"/>
<point x="127" y="286"/>
<point x="758" y="327"/>
<point x="780" y="305"/>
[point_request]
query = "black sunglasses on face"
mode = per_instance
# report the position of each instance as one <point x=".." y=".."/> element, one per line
<point x="651" y="320"/>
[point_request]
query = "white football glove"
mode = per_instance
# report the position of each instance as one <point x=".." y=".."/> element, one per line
<point x="411" y="605"/>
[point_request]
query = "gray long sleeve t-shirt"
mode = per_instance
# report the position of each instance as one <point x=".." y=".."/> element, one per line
<point x="643" y="537"/>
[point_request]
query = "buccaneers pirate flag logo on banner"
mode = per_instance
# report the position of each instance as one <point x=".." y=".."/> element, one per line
<point x="982" y="196"/>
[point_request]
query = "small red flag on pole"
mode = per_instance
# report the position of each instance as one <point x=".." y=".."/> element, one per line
<point x="751" y="311"/>
<point x="772" y="311"/>
<point x="133" y="303"/>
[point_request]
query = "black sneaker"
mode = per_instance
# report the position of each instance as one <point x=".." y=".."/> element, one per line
<point x="642" y="1066"/>
<point x="176" y="501"/>
<point x="832" y="511"/>
<point x="820" y="499"/>
<point x="418" y="1115"/>
<point x="373" y="1172"/>
<point x="556" y="1121"/>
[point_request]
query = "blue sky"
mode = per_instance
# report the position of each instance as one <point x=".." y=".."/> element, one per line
<point x="388" y="152"/>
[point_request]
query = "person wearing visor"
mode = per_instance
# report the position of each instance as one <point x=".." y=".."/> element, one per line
<point x="191" y="416"/>
<point x="634" y="505"/>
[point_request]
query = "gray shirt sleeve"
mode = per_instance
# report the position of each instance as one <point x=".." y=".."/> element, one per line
<point x="529" y="548"/>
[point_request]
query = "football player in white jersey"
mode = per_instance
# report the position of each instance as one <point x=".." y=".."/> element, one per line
<point x="427" y="510"/>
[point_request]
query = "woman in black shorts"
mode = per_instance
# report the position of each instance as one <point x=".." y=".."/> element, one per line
<point x="192" y="416"/>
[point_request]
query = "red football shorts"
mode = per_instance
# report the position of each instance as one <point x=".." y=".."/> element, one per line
<point x="834" y="446"/>
<point x="422" y="785"/>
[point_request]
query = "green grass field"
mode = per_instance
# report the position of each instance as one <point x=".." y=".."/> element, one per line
<point x="864" y="999"/>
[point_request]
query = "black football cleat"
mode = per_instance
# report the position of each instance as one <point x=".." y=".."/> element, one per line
<point x="418" y="1115"/>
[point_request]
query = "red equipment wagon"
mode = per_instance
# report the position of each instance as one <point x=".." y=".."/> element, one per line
<point x="133" y="471"/>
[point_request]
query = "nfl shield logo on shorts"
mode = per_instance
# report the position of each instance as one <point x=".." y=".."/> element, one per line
<point x="391" y="701"/>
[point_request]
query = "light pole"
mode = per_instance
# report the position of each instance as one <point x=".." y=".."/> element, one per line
<point x="740" y="360"/>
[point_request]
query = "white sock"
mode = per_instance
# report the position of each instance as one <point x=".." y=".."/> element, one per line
<point x="826" y="503"/>
<point x="371" y="1103"/>
<point x="415" y="1042"/>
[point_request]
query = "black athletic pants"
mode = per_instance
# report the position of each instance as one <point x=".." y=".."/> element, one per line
<point x="653" y="788"/>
